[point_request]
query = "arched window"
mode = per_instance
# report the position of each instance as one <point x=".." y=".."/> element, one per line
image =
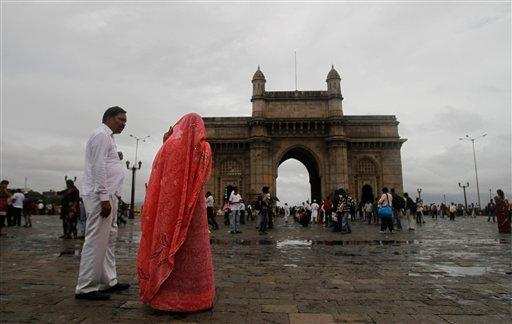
<point x="231" y="168"/>
<point x="366" y="166"/>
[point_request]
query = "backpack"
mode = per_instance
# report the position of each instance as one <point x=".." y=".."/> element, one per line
<point x="411" y="205"/>
<point x="398" y="202"/>
<point x="385" y="211"/>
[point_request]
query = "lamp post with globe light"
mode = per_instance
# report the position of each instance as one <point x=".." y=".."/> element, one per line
<point x="136" y="166"/>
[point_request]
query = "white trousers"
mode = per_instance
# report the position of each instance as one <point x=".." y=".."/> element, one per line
<point x="98" y="263"/>
<point x="314" y="215"/>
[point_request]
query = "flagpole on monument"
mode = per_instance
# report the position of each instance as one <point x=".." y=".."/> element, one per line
<point x="295" y="62"/>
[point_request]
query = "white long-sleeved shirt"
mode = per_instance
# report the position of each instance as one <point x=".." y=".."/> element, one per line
<point x="104" y="173"/>
<point x="235" y="201"/>
<point x="210" y="201"/>
<point x="17" y="200"/>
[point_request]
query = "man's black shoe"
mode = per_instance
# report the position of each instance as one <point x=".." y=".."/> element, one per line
<point x="93" y="295"/>
<point x="117" y="287"/>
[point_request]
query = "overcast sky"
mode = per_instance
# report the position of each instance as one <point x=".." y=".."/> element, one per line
<point x="444" y="70"/>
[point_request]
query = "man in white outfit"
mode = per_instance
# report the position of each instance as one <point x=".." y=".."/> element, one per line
<point x="286" y="213"/>
<point x="235" y="204"/>
<point x="314" y="211"/>
<point x="103" y="178"/>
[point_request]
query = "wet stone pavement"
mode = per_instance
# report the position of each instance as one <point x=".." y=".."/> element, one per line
<point x="454" y="272"/>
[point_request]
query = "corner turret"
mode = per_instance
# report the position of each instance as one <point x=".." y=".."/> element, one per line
<point x="258" y="83"/>
<point x="333" y="82"/>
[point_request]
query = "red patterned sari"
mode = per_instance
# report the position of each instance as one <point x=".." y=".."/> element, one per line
<point x="174" y="263"/>
<point x="503" y="215"/>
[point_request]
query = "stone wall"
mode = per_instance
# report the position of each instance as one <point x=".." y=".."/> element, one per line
<point x="296" y="109"/>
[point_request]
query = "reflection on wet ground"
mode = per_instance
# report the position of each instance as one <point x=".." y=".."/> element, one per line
<point x="456" y="271"/>
<point x="443" y="272"/>
<point x="307" y="243"/>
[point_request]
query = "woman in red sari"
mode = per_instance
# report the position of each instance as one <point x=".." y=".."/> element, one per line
<point x="502" y="212"/>
<point x="174" y="263"/>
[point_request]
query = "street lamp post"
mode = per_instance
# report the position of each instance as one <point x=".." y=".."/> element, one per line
<point x="472" y="140"/>
<point x="133" y="168"/>
<point x="136" y="166"/>
<point x="464" y="186"/>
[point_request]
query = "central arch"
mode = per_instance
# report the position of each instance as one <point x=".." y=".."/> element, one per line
<point x="306" y="157"/>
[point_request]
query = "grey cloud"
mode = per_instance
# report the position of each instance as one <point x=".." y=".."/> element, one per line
<point x="443" y="70"/>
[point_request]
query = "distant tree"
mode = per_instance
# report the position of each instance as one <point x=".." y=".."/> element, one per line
<point x="34" y="196"/>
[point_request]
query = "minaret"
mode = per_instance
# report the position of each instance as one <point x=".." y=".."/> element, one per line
<point x="258" y="93"/>
<point x="333" y="82"/>
<point x="258" y="83"/>
<point x="334" y="90"/>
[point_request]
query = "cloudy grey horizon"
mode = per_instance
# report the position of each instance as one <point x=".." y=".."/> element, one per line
<point x="443" y="70"/>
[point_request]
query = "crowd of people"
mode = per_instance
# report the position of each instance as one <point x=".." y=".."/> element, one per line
<point x="339" y="209"/>
<point x="16" y="205"/>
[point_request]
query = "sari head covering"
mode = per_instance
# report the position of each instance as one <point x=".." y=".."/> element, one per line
<point x="180" y="171"/>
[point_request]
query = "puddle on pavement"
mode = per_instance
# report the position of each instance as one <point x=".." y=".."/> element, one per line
<point x="450" y="270"/>
<point x="456" y="271"/>
<point x="473" y="241"/>
<point x="293" y="243"/>
<point x="309" y="243"/>
<point x="412" y="274"/>
<point x="463" y="255"/>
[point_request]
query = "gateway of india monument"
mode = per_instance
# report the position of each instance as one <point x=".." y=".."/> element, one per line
<point x="338" y="150"/>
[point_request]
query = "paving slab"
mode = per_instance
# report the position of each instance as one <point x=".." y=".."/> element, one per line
<point x="305" y="318"/>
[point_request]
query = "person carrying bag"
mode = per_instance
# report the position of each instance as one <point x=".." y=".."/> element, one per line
<point x="385" y="211"/>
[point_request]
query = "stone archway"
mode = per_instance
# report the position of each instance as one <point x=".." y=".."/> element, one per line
<point x="306" y="157"/>
<point x="311" y="127"/>
<point x="367" y="176"/>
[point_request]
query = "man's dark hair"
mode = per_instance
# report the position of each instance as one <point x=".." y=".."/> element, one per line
<point x="385" y="190"/>
<point x="4" y="182"/>
<point x="112" y="112"/>
<point x="265" y="189"/>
